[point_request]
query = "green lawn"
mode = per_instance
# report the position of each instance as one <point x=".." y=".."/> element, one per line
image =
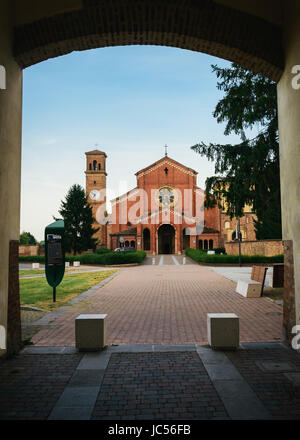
<point x="36" y="291"/>
<point x="23" y="273"/>
<point x="29" y="272"/>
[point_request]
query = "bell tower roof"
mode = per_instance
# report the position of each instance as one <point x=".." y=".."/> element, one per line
<point x="96" y="152"/>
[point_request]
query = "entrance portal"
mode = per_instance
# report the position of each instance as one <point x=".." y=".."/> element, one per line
<point x="166" y="240"/>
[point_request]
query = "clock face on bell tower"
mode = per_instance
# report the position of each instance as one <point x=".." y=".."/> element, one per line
<point x="96" y="182"/>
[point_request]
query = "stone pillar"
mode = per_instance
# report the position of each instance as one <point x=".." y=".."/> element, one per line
<point x="10" y="169"/>
<point x="153" y="239"/>
<point x="289" y="137"/>
<point x="139" y="237"/>
<point x="179" y="239"/>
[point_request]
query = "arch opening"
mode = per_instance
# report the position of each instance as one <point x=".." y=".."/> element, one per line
<point x="146" y="239"/>
<point x="166" y="239"/>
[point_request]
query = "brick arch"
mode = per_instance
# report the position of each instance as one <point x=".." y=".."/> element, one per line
<point x="198" y="25"/>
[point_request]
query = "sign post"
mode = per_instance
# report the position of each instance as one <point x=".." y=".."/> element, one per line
<point x="55" y="254"/>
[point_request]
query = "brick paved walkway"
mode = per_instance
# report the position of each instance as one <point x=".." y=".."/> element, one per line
<point x="166" y="305"/>
<point x="151" y="382"/>
<point x="166" y="386"/>
<point x="31" y="385"/>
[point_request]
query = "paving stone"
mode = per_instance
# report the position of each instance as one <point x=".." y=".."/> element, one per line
<point x="162" y="377"/>
<point x="240" y="401"/>
<point x="94" y="361"/>
<point x="294" y="378"/>
<point x="164" y="306"/>
<point x="71" y="413"/>
<point x="275" y="367"/>
<point x="78" y="397"/>
<point x="186" y="347"/>
<point x="86" y="378"/>
<point x="263" y="345"/>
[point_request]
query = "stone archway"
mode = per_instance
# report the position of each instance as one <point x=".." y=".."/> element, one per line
<point x="166" y="239"/>
<point x="261" y="36"/>
<point x="208" y="26"/>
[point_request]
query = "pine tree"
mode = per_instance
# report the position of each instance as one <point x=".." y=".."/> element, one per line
<point x="248" y="172"/>
<point x="78" y="216"/>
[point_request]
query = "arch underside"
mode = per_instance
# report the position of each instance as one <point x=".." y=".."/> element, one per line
<point x="197" y="25"/>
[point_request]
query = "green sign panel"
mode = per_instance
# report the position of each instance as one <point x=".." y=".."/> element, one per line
<point x="55" y="254"/>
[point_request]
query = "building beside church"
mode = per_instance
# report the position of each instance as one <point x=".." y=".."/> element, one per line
<point x="163" y="214"/>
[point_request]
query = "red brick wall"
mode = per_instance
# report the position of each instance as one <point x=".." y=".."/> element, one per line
<point x="267" y="248"/>
<point x="151" y="179"/>
<point x="27" y="250"/>
<point x="289" y="315"/>
<point x="13" y="313"/>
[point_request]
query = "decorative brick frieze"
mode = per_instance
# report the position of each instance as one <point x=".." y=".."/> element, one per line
<point x="201" y="25"/>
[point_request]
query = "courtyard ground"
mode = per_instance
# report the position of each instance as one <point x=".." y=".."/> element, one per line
<point x="190" y="382"/>
<point x="164" y="304"/>
<point x="157" y="365"/>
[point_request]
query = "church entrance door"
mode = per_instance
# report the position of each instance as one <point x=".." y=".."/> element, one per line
<point x="166" y="239"/>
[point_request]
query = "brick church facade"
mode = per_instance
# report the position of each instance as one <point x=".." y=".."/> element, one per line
<point x="163" y="214"/>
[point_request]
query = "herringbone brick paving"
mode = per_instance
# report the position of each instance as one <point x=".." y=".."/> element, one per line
<point x="167" y="305"/>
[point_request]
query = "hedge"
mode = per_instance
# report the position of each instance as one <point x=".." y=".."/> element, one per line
<point x="102" y="251"/>
<point x="32" y="259"/>
<point x="220" y="250"/>
<point x="105" y="259"/>
<point x="202" y="257"/>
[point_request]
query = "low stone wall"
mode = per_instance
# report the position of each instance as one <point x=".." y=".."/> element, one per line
<point x="28" y="250"/>
<point x="268" y="248"/>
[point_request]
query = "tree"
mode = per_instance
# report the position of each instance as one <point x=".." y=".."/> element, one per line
<point x="27" y="239"/>
<point x="248" y="172"/>
<point x="78" y="216"/>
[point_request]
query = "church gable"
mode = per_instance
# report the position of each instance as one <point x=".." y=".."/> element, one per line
<point x="163" y="165"/>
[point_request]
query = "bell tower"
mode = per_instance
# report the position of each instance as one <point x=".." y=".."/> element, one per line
<point x="95" y="182"/>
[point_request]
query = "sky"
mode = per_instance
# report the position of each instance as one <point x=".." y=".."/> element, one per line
<point x="127" y="101"/>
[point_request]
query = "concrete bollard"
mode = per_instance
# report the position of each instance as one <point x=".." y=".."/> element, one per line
<point x="67" y="264"/>
<point x="76" y="263"/>
<point x="153" y="261"/>
<point x="223" y="331"/>
<point x="90" y="332"/>
<point x="184" y="260"/>
<point x="35" y="265"/>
